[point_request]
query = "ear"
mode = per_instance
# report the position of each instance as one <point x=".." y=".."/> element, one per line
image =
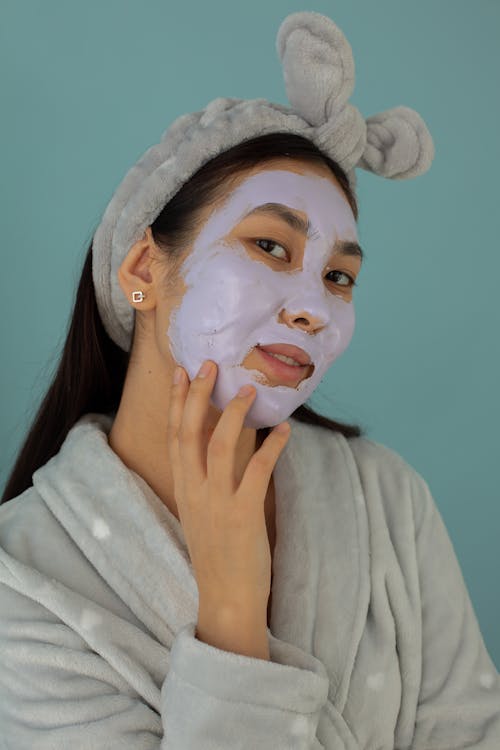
<point x="136" y="273"/>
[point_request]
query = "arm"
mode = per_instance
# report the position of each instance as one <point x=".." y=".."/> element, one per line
<point x="67" y="684"/>
<point x="233" y="630"/>
<point x="459" y="701"/>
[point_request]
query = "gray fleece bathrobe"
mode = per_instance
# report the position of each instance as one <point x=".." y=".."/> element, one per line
<point x="374" y="642"/>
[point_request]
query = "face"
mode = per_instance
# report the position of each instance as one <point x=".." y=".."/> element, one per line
<point x="255" y="281"/>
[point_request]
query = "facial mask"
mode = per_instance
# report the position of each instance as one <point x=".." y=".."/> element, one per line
<point x="233" y="301"/>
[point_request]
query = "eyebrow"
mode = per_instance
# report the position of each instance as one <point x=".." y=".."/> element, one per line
<point x="296" y="222"/>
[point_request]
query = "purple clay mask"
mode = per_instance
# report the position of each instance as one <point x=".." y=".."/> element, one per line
<point x="233" y="299"/>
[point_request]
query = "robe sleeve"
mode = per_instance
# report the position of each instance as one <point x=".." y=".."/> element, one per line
<point x="218" y="700"/>
<point x="459" y="700"/>
<point x="56" y="692"/>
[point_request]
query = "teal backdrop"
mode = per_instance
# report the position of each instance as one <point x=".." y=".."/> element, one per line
<point x="88" y="86"/>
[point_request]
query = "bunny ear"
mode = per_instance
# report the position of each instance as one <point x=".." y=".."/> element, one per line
<point x="318" y="69"/>
<point x="398" y="144"/>
<point x="318" y="65"/>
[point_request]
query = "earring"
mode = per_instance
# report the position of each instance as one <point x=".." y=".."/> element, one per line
<point x="138" y="296"/>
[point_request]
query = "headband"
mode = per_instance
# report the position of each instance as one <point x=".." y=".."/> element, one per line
<point x="318" y="69"/>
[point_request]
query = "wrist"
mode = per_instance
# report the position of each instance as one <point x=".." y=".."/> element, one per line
<point x="232" y="628"/>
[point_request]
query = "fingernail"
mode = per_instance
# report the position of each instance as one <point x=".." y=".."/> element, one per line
<point x="283" y="428"/>
<point x="245" y="390"/>
<point x="205" y="369"/>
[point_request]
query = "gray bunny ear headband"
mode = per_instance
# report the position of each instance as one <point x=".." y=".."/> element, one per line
<point x="318" y="69"/>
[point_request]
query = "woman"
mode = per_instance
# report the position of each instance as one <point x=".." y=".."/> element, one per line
<point x="176" y="571"/>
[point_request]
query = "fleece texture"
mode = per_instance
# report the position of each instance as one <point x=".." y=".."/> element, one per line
<point x="374" y="642"/>
<point x="318" y="70"/>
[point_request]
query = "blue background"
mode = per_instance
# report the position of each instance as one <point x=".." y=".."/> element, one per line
<point x="88" y="87"/>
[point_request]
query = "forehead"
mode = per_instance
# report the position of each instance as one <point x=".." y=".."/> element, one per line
<point x="318" y="198"/>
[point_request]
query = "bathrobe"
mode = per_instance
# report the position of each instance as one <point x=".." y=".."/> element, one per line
<point x="374" y="643"/>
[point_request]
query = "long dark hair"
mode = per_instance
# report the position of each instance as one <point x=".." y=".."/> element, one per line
<point x="92" y="368"/>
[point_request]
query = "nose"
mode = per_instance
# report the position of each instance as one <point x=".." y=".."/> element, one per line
<point x="306" y="321"/>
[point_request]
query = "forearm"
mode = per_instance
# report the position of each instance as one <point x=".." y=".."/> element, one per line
<point x="234" y="629"/>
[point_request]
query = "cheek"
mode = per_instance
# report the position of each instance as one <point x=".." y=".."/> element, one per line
<point x="227" y="287"/>
<point x="163" y="329"/>
<point x="216" y="299"/>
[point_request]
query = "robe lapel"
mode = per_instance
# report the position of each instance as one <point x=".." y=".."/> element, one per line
<point x="321" y="583"/>
<point x="123" y="528"/>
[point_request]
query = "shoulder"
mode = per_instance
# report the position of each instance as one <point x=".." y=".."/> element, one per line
<point x="373" y="460"/>
<point x="371" y="455"/>
<point x="385" y="478"/>
<point x="28" y="538"/>
<point x="33" y="540"/>
<point x="23" y="519"/>
<point x="386" y="474"/>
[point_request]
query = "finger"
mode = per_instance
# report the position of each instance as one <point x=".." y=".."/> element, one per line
<point x="192" y="433"/>
<point x="257" y="475"/>
<point x="221" y="452"/>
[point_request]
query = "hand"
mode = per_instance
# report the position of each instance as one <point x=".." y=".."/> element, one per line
<point x="223" y="522"/>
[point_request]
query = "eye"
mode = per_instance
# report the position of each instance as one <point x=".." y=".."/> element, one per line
<point x="342" y="273"/>
<point x="353" y="283"/>
<point x="269" y="242"/>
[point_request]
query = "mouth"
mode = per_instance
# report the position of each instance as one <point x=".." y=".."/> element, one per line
<point x="287" y="373"/>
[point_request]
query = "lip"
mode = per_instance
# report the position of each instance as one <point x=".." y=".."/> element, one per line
<point x="289" y="374"/>
<point x="299" y="355"/>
